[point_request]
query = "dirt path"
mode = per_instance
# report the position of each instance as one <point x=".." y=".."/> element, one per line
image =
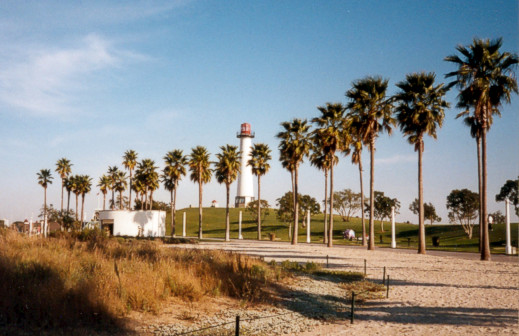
<point x="429" y="294"/>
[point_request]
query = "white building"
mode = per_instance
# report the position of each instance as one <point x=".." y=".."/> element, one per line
<point x="144" y="223"/>
<point x="245" y="192"/>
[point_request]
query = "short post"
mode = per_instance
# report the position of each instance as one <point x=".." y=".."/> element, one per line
<point x="183" y="224"/>
<point x="508" y="249"/>
<point x="327" y="265"/>
<point x="387" y="287"/>
<point x="352" y="307"/>
<point x="384" y="277"/>
<point x="364" y="267"/>
<point x="239" y="226"/>
<point x="237" y="325"/>
<point x="393" y="239"/>
<point x="308" y="226"/>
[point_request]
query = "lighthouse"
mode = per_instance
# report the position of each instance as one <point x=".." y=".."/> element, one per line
<point x="245" y="192"/>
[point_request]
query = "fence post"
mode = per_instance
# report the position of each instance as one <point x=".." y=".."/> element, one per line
<point x="387" y="293"/>
<point x="183" y="224"/>
<point x="239" y="226"/>
<point x="384" y="277"/>
<point x="327" y="265"/>
<point x="364" y="267"/>
<point x="352" y="307"/>
<point x="237" y="325"/>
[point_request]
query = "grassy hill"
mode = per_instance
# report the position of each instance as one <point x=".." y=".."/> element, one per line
<point x="452" y="237"/>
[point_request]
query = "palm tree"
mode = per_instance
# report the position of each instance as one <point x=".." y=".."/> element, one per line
<point x="487" y="76"/>
<point x="259" y="162"/>
<point x="356" y="158"/>
<point x="63" y="168"/>
<point x="174" y="170"/>
<point x="104" y="186"/>
<point x="75" y="188"/>
<point x="44" y="179"/>
<point x="148" y="178"/>
<point x="332" y="138"/>
<point x="68" y="187"/>
<point x="372" y="111"/>
<point x="294" y="146"/>
<point x="84" y="187"/>
<point x="153" y="184"/>
<point x="226" y="171"/>
<point x="199" y="166"/>
<point x="322" y="162"/>
<point x="420" y="111"/>
<point x="129" y="162"/>
<point x="120" y="186"/>
<point x="112" y="173"/>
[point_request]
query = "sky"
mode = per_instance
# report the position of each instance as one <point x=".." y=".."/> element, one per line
<point x="88" y="80"/>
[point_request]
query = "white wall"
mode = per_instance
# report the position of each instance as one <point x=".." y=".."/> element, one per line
<point x="127" y="223"/>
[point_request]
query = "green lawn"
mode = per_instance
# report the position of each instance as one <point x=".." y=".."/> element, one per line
<point x="452" y="237"/>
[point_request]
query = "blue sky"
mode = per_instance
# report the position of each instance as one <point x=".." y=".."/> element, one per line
<point x="89" y="80"/>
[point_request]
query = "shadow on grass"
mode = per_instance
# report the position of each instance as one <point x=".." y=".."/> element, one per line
<point x="35" y="300"/>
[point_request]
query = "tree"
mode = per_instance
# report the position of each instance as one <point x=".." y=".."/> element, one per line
<point x="372" y="113"/>
<point x="252" y="209"/>
<point x="147" y="180"/>
<point x="346" y="203"/>
<point x="428" y="209"/>
<point x="199" y="166"/>
<point x="332" y="138"/>
<point x="383" y="205"/>
<point x="120" y="186"/>
<point x="509" y="191"/>
<point x="129" y="162"/>
<point x="44" y="179"/>
<point x="54" y="215"/>
<point x="420" y="111"/>
<point x="63" y="168"/>
<point x="84" y="187"/>
<point x="498" y="216"/>
<point x="73" y="185"/>
<point x="286" y="206"/>
<point x="259" y="163"/>
<point x="487" y="76"/>
<point x="104" y="186"/>
<point x="174" y="170"/>
<point x="293" y="148"/>
<point x="68" y="187"/>
<point x="226" y="171"/>
<point x="463" y="205"/>
<point x="113" y="171"/>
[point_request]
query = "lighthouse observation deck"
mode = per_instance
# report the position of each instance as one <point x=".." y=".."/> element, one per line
<point x="245" y="131"/>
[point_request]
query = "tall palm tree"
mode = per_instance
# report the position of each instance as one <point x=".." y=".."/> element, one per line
<point x="63" y="168"/>
<point x="44" y="179"/>
<point x="259" y="162"/>
<point x="120" y="186"/>
<point x="322" y="162"/>
<point x="199" y="166"/>
<point x="226" y="171"/>
<point x="373" y="112"/>
<point x="104" y="186"/>
<point x="420" y="111"/>
<point x="113" y="171"/>
<point x="68" y="187"/>
<point x="294" y="146"/>
<point x="487" y="75"/>
<point x="332" y="137"/>
<point x="356" y="158"/>
<point x="75" y="187"/>
<point x="153" y="184"/>
<point x="84" y="187"/>
<point x="147" y="176"/>
<point x="129" y="162"/>
<point x="174" y="170"/>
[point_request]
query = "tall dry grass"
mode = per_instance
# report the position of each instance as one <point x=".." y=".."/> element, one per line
<point x="88" y="279"/>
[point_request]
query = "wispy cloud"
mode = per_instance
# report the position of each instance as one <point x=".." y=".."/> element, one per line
<point x="46" y="80"/>
<point x="396" y="159"/>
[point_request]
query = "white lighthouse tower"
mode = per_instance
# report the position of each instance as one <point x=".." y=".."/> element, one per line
<point x="245" y="192"/>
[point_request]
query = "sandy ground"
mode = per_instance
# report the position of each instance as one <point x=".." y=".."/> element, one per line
<point x="450" y="294"/>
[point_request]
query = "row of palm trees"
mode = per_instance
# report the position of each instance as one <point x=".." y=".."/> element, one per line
<point x="485" y="80"/>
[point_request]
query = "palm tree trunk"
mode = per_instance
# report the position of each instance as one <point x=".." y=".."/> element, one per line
<point x="325" y="229"/>
<point x="172" y="214"/>
<point x="371" y="243"/>
<point x="199" y="205"/>
<point x="130" y="197"/>
<point x="44" y="212"/>
<point x="121" y="200"/>
<point x="421" y="225"/>
<point x="480" y="191"/>
<point x="330" y="223"/>
<point x="259" y="208"/>
<point x="62" y="190"/>
<point x="173" y="221"/>
<point x="77" y="206"/>
<point x="68" y="202"/>
<point x="113" y="200"/>
<point x="227" y="223"/>
<point x="364" y="242"/>
<point x="151" y="200"/>
<point x="82" y="208"/>
<point x="485" y="251"/>
<point x="104" y="201"/>
<point x="296" y="210"/>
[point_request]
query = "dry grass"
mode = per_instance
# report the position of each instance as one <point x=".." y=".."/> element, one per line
<point x="90" y="280"/>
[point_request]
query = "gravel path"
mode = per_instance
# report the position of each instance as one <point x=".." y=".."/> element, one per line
<point x="429" y="294"/>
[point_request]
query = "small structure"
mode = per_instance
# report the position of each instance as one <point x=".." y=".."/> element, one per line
<point x="141" y="223"/>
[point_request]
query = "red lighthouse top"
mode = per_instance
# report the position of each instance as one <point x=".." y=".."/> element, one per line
<point x="245" y="131"/>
